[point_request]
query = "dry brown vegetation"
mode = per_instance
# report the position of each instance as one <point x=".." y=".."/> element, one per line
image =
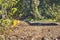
<point x="27" y="32"/>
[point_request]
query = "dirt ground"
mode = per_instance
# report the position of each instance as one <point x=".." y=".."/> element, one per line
<point x="27" y="32"/>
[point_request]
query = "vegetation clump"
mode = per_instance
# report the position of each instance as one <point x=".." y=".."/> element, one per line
<point x="33" y="10"/>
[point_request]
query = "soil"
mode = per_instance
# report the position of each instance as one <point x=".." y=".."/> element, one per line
<point x="26" y="32"/>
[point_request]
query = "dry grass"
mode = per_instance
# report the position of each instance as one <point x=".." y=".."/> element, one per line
<point x="28" y="32"/>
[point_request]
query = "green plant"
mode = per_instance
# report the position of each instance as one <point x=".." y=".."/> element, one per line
<point x="58" y="18"/>
<point x="5" y="22"/>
